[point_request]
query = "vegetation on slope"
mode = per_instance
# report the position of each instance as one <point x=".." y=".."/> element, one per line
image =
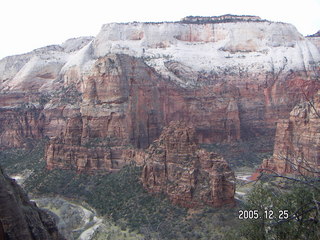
<point x="17" y="160"/>
<point x="121" y="197"/>
<point x="287" y="209"/>
<point x="248" y="153"/>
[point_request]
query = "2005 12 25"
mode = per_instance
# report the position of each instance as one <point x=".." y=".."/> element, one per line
<point x="266" y="214"/>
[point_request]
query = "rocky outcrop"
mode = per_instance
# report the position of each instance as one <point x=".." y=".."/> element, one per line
<point x="20" y="218"/>
<point x="297" y="146"/>
<point x="74" y="149"/>
<point x="189" y="176"/>
<point x="94" y="98"/>
<point x="217" y="19"/>
<point x="315" y="39"/>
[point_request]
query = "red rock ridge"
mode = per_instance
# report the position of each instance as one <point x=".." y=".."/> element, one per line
<point x="107" y="96"/>
<point x="297" y="146"/>
<point x="189" y="176"/>
<point x="124" y="102"/>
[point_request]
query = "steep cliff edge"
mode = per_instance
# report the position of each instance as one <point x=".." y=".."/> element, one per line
<point x="191" y="177"/>
<point x="297" y="145"/>
<point x="315" y="39"/>
<point x="95" y="97"/>
<point x="20" y="218"/>
<point x="126" y="103"/>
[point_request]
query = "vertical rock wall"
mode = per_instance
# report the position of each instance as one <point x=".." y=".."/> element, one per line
<point x="297" y="144"/>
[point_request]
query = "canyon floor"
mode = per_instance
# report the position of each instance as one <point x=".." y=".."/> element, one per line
<point x="115" y="206"/>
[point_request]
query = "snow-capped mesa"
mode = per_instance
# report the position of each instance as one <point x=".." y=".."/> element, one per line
<point x="207" y="44"/>
<point x="230" y="77"/>
<point x="38" y="69"/>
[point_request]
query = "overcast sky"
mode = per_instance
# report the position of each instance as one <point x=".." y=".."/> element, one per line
<point x="29" y="24"/>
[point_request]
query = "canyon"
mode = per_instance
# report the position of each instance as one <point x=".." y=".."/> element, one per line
<point x="100" y="100"/>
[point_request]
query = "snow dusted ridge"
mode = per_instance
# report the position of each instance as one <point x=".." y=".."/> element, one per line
<point x="315" y="39"/>
<point x="256" y="46"/>
<point x="210" y="46"/>
<point x="38" y="69"/>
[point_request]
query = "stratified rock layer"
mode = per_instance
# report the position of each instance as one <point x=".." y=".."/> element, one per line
<point x="124" y="102"/>
<point x="297" y="144"/>
<point x="189" y="176"/>
<point x="17" y="125"/>
<point x="20" y="219"/>
<point x="232" y="77"/>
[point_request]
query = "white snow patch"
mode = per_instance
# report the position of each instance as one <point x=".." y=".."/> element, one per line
<point x="253" y="45"/>
<point x="75" y="44"/>
<point x="80" y="58"/>
<point x="40" y="70"/>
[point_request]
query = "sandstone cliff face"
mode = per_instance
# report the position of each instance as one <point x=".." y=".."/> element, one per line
<point x="297" y="145"/>
<point x="124" y="102"/>
<point x="20" y="218"/>
<point x="191" y="177"/>
<point x="18" y="125"/>
<point x="231" y="80"/>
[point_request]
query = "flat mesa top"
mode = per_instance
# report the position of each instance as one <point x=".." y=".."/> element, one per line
<point x="210" y="19"/>
<point x="222" y="18"/>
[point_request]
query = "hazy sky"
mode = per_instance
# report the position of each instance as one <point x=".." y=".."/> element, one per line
<point x="29" y="24"/>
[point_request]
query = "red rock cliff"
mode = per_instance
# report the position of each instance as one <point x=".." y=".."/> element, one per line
<point x="18" y="125"/>
<point x="189" y="176"/>
<point x="297" y="146"/>
<point x="95" y="97"/>
<point x="125" y="103"/>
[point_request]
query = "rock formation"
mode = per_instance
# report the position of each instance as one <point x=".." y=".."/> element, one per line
<point x="18" y="125"/>
<point x="218" y="19"/>
<point x="20" y="219"/>
<point x="297" y="145"/>
<point x="315" y="39"/>
<point x="189" y="176"/>
<point x="94" y="98"/>
<point x="124" y="102"/>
